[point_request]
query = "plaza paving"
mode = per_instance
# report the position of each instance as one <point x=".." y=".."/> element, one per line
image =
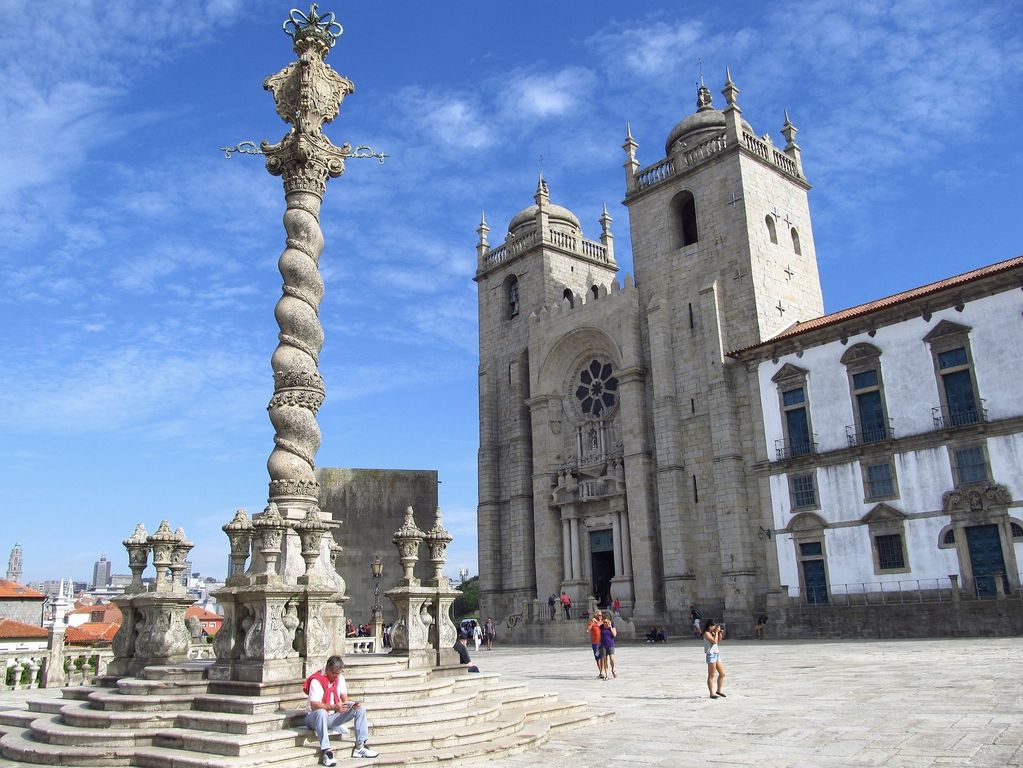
<point x="898" y="704"/>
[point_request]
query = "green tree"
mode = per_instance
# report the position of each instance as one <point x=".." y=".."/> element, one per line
<point x="468" y="603"/>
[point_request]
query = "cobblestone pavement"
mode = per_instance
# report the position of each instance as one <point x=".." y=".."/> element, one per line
<point x="897" y="704"/>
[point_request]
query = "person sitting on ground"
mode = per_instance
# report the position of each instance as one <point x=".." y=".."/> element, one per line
<point x="651" y="636"/>
<point x="328" y="709"/>
<point x="760" y="627"/>
<point x="463" y="654"/>
<point x="662" y="635"/>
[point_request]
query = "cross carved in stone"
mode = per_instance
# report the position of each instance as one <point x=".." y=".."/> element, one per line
<point x="788" y="221"/>
<point x="739" y="274"/>
<point x="780" y="308"/>
<point x="775" y="213"/>
<point x="735" y="199"/>
<point x="788" y="273"/>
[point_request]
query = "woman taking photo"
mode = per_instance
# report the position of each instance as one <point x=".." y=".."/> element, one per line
<point x="713" y="633"/>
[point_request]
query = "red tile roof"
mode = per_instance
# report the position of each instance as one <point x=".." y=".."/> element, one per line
<point x="12" y="589"/>
<point x="16" y="630"/>
<point x="90" y="633"/>
<point x="888" y="301"/>
<point x="111" y="613"/>
<point x="202" y="614"/>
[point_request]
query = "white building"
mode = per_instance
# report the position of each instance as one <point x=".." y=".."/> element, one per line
<point x="893" y="439"/>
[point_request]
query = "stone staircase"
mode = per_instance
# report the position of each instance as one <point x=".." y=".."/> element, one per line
<point x="171" y="717"/>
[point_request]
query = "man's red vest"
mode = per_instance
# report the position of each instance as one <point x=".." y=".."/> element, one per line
<point x="330" y="694"/>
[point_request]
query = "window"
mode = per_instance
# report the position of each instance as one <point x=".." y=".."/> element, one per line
<point x="567" y="296"/>
<point x="970" y="464"/>
<point x="683" y="219"/>
<point x="795" y="242"/>
<point x="772" y="231"/>
<point x="797" y="424"/>
<point x="798" y="439"/>
<point x="949" y="539"/>
<point x="879" y="481"/>
<point x="957" y="387"/>
<point x="803" y="491"/>
<point x="889" y="552"/>
<point x="597" y="391"/>
<point x="1017" y="530"/>
<point x="863" y="366"/>
<point x="887" y="529"/>
<point x="808" y="536"/>
<point x="595" y="291"/>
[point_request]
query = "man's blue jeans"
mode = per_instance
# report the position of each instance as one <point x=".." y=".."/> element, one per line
<point x="321" y="721"/>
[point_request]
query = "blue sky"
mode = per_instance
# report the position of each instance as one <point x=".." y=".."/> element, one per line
<point x="139" y="265"/>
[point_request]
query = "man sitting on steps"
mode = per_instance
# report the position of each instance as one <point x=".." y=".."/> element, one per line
<point x="328" y="708"/>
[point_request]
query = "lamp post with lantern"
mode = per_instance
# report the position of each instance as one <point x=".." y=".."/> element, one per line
<point x="377" y="566"/>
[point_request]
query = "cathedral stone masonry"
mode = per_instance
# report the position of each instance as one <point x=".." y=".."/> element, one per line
<point x="630" y="477"/>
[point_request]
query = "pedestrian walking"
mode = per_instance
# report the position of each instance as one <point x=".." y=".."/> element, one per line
<point x="608" y="633"/>
<point x="695" y="618"/>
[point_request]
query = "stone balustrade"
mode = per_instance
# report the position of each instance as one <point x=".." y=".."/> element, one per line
<point x="566" y="241"/>
<point x="665" y="169"/>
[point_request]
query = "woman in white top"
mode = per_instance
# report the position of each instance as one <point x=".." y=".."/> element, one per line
<point x="477" y="634"/>
<point x="712" y="635"/>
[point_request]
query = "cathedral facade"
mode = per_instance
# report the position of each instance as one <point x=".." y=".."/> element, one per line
<point x="627" y="438"/>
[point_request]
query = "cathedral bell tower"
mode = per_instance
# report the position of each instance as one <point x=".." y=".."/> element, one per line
<point x="724" y="258"/>
<point x="544" y="262"/>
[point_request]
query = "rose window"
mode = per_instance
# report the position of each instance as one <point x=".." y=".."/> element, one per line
<point x="597" y="392"/>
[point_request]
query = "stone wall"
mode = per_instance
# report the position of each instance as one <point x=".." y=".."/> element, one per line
<point x="370" y="505"/>
<point x="967" y="618"/>
<point x="25" y="611"/>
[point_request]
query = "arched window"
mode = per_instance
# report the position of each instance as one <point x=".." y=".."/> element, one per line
<point x="683" y="219"/>
<point x="771" y="230"/>
<point x="567" y="296"/>
<point x="595" y="291"/>
<point x="795" y="243"/>
<point x="511" y="293"/>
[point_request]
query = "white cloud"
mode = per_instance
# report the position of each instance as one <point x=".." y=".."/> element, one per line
<point x="448" y="118"/>
<point x="546" y="95"/>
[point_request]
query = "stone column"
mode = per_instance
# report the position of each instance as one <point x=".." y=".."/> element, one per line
<point x="53" y="675"/>
<point x="443" y="633"/>
<point x="577" y="568"/>
<point x="566" y="549"/>
<point x="616" y="535"/>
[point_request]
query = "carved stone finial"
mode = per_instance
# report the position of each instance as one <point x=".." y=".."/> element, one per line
<point x="407" y="540"/>
<point x="138" y="557"/>
<point x="162" y="542"/>
<point x="437" y="541"/>
<point x="270" y="526"/>
<point x="730" y="91"/>
<point x="310" y="532"/>
<point x="704" y="100"/>
<point x="239" y="536"/>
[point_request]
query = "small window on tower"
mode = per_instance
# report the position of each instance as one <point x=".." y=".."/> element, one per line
<point x="595" y="291"/>
<point x="795" y="242"/>
<point x="772" y="232"/>
<point x="567" y="296"/>
<point x="683" y="219"/>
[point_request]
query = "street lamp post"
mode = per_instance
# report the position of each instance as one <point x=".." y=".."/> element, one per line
<point x="377" y="566"/>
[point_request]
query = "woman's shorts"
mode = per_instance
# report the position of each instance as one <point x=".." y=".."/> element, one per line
<point x="605" y="651"/>
<point x="713" y="658"/>
<point x="596" y="650"/>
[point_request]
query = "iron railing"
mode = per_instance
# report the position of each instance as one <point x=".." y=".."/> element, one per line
<point x="906" y="591"/>
<point x="872" y="434"/>
<point x="946" y="417"/>
<point x="790" y="449"/>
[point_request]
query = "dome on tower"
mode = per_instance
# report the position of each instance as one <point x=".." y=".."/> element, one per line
<point x="704" y="123"/>
<point x="526" y="218"/>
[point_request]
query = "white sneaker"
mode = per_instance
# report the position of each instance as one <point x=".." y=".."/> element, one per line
<point x="339" y="730"/>
<point x="364" y="751"/>
<point x="327" y="758"/>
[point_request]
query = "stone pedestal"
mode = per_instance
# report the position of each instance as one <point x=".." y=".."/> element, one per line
<point x="410" y="633"/>
<point x="152" y="632"/>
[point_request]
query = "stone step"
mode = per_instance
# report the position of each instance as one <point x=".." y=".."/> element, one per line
<point x="431" y="721"/>
<point x="230" y="744"/>
<point x="50" y="729"/>
<point x="18" y="746"/>
<point x="46" y="706"/>
<point x="80" y="715"/>
<point x="186" y="671"/>
<point x="112" y="701"/>
<point x="219" y="702"/>
<point x="133" y="686"/>
<point x="225" y="722"/>
<point x="17" y="718"/>
<point x="81" y="692"/>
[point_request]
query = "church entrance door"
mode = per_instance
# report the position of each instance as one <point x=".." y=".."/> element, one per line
<point x="602" y="564"/>
<point x="985" y="547"/>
